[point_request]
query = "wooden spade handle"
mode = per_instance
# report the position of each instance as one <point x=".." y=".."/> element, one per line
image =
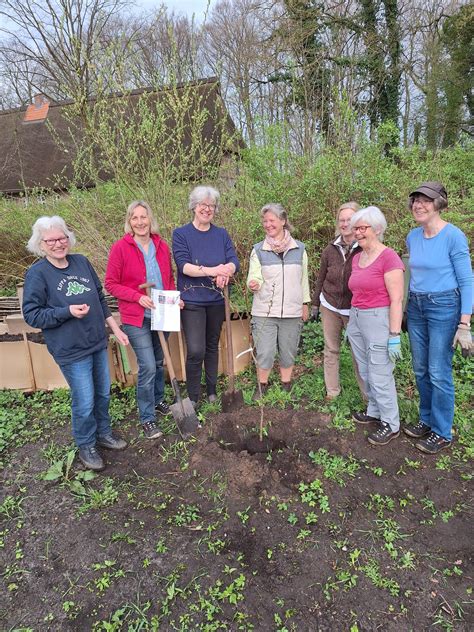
<point x="228" y="335"/>
<point x="166" y="351"/>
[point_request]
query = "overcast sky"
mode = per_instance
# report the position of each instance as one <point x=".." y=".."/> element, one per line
<point x="187" y="7"/>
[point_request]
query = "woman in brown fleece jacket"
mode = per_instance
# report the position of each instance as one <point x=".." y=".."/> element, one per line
<point x="332" y="297"/>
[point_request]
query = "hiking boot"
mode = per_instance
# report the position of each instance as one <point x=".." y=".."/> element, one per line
<point x="151" y="430"/>
<point x="111" y="442"/>
<point x="162" y="408"/>
<point x="212" y="398"/>
<point x="91" y="458"/>
<point x="362" y="418"/>
<point x="382" y="435"/>
<point x="418" y="430"/>
<point x="433" y="443"/>
<point x="286" y="386"/>
<point x="264" y="387"/>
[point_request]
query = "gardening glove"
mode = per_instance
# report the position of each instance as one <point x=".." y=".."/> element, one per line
<point x="314" y="314"/>
<point x="394" y="348"/>
<point x="463" y="338"/>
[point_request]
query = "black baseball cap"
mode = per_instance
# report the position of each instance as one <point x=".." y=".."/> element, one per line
<point x="432" y="190"/>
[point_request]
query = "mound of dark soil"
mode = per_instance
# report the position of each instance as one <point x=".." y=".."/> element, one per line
<point x="310" y="529"/>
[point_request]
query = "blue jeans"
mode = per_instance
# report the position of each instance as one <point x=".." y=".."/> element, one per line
<point x="89" y="381"/>
<point x="432" y="321"/>
<point x="151" y="378"/>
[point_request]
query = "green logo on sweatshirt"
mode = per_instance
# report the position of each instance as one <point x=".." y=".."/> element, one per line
<point x="74" y="288"/>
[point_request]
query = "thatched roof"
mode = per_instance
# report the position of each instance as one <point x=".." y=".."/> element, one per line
<point x="31" y="156"/>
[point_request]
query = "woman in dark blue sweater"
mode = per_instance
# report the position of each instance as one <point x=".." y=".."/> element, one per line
<point x="63" y="297"/>
<point x="206" y="260"/>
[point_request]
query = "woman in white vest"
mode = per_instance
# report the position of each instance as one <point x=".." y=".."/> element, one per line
<point x="278" y="278"/>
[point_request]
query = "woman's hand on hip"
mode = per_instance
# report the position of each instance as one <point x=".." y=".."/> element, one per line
<point x="79" y="311"/>
<point x="254" y="286"/>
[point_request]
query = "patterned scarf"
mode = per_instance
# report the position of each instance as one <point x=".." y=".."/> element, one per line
<point x="279" y="245"/>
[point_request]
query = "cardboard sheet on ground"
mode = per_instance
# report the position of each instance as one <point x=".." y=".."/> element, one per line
<point x="166" y="315"/>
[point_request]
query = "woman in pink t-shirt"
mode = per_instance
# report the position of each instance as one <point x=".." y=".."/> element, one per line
<point x="375" y="320"/>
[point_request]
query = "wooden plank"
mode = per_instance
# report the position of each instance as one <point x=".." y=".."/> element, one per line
<point x="16" y="325"/>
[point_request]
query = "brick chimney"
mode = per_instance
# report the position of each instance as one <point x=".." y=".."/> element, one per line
<point x="37" y="112"/>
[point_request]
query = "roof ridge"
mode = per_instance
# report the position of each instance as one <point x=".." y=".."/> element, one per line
<point x="115" y="95"/>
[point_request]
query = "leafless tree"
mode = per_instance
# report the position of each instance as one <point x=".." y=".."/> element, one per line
<point x="55" y="46"/>
<point x="238" y="49"/>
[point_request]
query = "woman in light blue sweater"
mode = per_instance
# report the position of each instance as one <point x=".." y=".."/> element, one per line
<point x="438" y="314"/>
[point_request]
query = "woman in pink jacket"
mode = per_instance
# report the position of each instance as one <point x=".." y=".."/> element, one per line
<point x="142" y="256"/>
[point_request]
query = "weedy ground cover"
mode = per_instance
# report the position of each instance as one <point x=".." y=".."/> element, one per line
<point x="321" y="532"/>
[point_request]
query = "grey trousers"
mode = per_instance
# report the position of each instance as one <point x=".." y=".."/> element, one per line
<point x="368" y="333"/>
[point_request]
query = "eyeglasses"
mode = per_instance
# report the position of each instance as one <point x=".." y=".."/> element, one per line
<point x="52" y="242"/>
<point x="362" y="229"/>
<point x="210" y="207"/>
<point x="423" y="201"/>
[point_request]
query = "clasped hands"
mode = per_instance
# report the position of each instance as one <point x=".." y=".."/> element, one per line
<point x="223" y="273"/>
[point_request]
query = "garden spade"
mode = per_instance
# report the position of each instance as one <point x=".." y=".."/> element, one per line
<point x="182" y="410"/>
<point x="232" y="400"/>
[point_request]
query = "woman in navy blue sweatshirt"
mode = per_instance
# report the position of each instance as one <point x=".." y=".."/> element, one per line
<point x="206" y="260"/>
<point x="63" y="297"/>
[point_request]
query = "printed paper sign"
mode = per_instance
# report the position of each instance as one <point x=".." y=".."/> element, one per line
<point x="166" y="315"/>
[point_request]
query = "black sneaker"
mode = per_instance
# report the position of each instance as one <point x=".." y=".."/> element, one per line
<point x="433" y="443"/>
<point x="286" y="386"/>
<point x="111" y="442"/>
<point x="362" y="418"/>
<point x="418" y="430"/>
<point x="382" y="435"/>
<point x="162" y="408"/>
<point x="91" y="459"/>
<point x="151" y="430"/>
